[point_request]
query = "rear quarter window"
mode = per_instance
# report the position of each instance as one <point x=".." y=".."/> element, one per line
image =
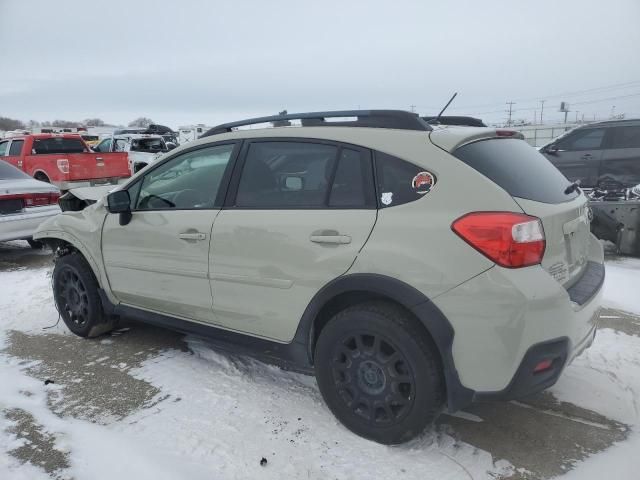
<point x="395" y="177"/>
<point x="518" y="168"/>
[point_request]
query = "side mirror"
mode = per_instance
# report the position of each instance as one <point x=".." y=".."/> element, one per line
<point x="120" y="202"/>
<point x="551" y="149"/>
<point x="171" y="145"/>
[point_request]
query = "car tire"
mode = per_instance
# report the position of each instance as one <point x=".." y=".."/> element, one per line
<point x="35" y="244"/>
<point x="379" y="372"/>
<point x="75" y="291"/>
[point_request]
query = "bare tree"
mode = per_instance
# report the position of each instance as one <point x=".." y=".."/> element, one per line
<point x="64" y="123"/>
<point x="10" y="124"/>
<point x="94" y="122"/>
<point x="141" y="122"/>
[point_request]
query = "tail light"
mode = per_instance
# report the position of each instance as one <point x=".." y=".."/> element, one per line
<point x="63" y="165"/>
<point x="511" y="240"/>
<point x="34" y="199"/>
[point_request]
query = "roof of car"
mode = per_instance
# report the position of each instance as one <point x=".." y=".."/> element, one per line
<point x="390" y="119"/>
<point x="613" y="123"/>
<point x="46" y="135"/>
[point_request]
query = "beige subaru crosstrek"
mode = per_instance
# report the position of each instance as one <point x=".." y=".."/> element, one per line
<point x="410" y="266"/>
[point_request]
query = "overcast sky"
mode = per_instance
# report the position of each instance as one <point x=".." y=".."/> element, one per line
<point x="185" y="62"/>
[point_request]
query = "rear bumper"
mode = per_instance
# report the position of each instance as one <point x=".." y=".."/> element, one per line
<point x="20" y="226"/>
<point x="96" y="182"/>
<point x="504" y="320"/>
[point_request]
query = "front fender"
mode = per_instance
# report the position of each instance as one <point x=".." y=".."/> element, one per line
<point x="83" y="231"/>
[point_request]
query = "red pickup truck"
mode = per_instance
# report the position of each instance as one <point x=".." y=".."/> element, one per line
<point x="64" y="160"/>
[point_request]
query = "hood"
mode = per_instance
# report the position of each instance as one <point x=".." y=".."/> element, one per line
<point x="92" y="193"/>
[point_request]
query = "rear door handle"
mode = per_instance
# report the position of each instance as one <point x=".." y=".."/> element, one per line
<point x="586" y="156"/>
<point x="192" y="236"/>
<point x="329" y="236"/>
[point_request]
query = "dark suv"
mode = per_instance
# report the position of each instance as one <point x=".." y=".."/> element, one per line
<point x="599" y="153"/>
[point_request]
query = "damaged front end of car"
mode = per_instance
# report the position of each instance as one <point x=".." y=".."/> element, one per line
<point x="78" y="199"/>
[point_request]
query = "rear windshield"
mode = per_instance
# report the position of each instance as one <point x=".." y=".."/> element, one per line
<point x="148" y="145"/>
<point x="9" y="172"/>
<point x="518" y="168"/>
<point x="57" y="145"/>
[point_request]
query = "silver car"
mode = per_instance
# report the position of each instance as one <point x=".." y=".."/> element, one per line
<point x="24" y="204"/>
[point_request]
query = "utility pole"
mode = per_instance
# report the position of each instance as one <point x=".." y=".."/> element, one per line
<point x="577" y="116"/>
<point x="535" y="116"/>
<point x="510" y="111"/>
<point x="541" y="110"/>
<point x="413" y="108"/>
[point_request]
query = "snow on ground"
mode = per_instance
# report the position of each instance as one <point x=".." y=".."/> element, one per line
<point x="606" y="378"/>
<point x="218" y="414"/>
<point x="622" y="286"/>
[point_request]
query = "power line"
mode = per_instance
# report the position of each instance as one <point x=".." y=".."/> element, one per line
<point x="607" y="99"/>
<point x="511" y="104"/>
<point x="559" y="95"/>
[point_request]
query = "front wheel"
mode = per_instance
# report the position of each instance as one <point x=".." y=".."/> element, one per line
<point x="379" y="372"/>
<point x="75" y="291"/>
<point x="35" y="244"/>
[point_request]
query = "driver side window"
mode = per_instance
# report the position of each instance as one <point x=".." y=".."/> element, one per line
<point x="188" y="181"/>
<point x="590" y="139"/>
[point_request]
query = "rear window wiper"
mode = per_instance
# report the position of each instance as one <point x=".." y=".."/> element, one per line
<point x="572" y="187"/>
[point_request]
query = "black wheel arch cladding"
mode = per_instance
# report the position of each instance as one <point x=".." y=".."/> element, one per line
<point x="384" y="287"/>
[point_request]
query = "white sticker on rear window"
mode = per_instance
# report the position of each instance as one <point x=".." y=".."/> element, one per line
<point x="386" y="198"/>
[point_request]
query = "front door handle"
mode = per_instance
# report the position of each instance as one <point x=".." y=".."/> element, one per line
<point x="192" y="236"/>
<point x="329" y="236"/>
<point x="586" y="156"/>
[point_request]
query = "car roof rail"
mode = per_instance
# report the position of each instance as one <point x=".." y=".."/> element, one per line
<point x="398" y="119"/>
<point x="456" y="120"/>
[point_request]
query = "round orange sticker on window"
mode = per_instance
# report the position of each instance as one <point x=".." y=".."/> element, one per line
<point x="423" y="182"/>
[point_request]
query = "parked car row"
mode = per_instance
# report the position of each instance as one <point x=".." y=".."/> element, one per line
<point x="142" y="149"/>
<point x="64" y="160"/>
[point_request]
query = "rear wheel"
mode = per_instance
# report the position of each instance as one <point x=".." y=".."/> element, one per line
<point x="42" y="177"/>
<point x="75" y="291"/>
<point x="378" y="372"/>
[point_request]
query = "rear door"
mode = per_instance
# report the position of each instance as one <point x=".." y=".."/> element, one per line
<point x="578" y="155"/>
<point x="621" y="161"/>
<point x="541" y="191"/>
<point x="297" y="216"/>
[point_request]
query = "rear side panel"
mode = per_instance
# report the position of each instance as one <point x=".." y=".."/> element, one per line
<point x="414" y="242"/>
<point x="500" y="314"/>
